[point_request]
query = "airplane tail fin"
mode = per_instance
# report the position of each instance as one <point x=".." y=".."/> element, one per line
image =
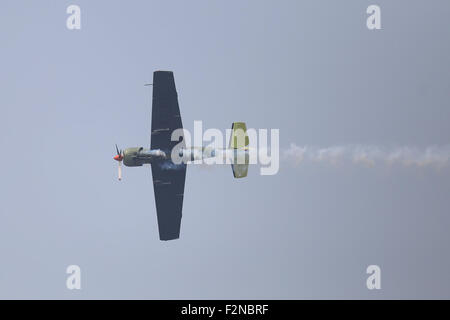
<point x="239" y="142"/>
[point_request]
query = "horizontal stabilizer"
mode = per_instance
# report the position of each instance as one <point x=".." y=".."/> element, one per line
<point x="239" y="170"/>
<point x="239" y="141"/>
<point x="239" y="138"/>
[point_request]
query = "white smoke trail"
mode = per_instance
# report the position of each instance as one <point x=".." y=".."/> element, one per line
<point x="369" y="156"/>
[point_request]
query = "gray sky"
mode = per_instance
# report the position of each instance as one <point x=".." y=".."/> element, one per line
<point x="309" y="68"/>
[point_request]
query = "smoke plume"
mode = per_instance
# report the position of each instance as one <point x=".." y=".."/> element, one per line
<point x="369" y="156"/>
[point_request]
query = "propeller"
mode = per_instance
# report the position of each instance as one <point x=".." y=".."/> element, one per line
<point x="119" y="158"/>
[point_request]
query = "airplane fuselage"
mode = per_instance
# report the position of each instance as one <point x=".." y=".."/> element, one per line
<point x="138" y="156"/>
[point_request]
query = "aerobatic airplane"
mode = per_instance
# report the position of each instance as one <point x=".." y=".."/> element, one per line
<point x="169" y="176"/>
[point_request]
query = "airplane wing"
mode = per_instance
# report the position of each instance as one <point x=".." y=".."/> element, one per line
<point x="168" y="184"/>
<point x="168" y="178"/>
<point x="165" y="111"/>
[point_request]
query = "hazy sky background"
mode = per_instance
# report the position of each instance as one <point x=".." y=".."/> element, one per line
<point x="310" y="68"/>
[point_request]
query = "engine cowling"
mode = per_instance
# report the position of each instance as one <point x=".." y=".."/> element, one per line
<point x="130" y="157"/>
